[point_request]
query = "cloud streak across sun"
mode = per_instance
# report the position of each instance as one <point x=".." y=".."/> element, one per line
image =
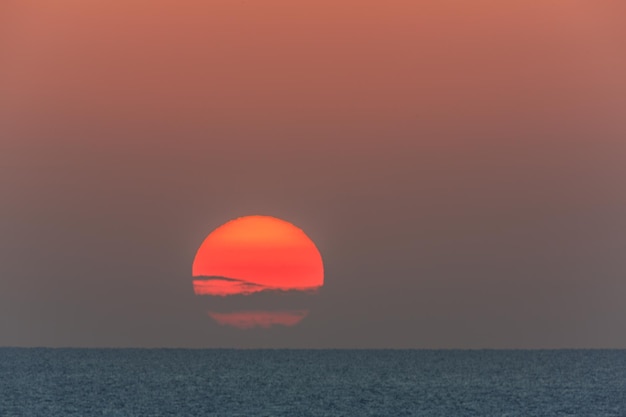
<point x="220" y="286"/>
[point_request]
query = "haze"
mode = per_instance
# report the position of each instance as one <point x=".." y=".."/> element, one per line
<point x="460" y="166"/>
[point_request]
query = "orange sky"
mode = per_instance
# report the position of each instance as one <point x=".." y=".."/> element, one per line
<point x="254" y="64"/>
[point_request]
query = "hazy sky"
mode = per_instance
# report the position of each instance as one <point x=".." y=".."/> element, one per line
<point x="461" y="166"/>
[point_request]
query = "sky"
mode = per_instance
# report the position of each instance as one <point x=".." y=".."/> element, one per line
<point x="459" y="165"/>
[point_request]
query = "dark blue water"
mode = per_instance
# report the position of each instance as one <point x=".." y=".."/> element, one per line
<point x="161" y="382"/>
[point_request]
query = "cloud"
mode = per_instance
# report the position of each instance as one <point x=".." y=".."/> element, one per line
<point x="223" y="287"/>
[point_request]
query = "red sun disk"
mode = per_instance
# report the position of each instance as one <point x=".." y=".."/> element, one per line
<point x="264" y="270"/>
<point x="263" y="251"/>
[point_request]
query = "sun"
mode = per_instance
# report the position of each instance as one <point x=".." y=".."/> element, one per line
<point x="257" y="253"/>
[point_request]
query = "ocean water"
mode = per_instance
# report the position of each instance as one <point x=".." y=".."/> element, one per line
<point x="394" y="383"/>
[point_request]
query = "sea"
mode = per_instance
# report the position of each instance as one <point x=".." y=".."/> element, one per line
<point x="394" y="383"/>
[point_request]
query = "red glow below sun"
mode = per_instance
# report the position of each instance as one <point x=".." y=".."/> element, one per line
<point x="250" y="319"/>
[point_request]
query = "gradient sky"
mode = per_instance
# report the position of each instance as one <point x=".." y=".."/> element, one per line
<point x="461" y="166"/>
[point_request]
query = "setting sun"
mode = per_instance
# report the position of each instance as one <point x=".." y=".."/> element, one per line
<point x="256" y="253"/>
